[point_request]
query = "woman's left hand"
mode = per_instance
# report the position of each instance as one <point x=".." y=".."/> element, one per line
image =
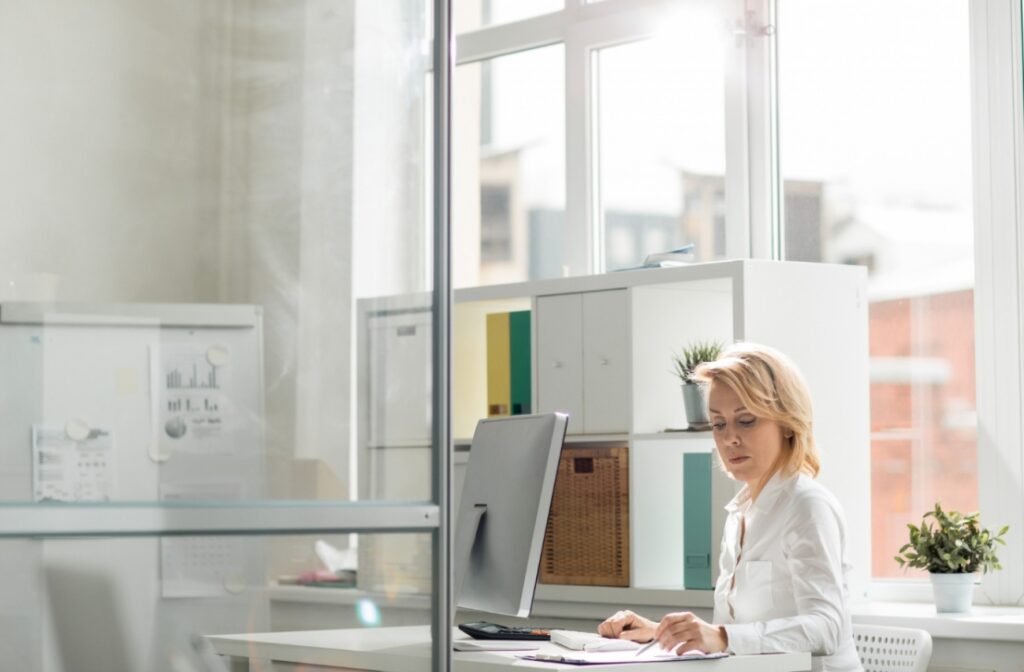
<point x="682" y="631"/>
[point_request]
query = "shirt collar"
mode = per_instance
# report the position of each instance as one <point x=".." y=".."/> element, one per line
<point x="777" y="484"/>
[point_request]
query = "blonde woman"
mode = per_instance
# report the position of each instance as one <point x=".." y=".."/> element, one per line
<point x="782" y="585"/>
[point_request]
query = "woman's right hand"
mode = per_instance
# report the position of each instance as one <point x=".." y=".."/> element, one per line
<point x="628" y="625"/>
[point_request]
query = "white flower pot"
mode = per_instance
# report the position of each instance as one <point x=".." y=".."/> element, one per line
<point x="953" y="592"/>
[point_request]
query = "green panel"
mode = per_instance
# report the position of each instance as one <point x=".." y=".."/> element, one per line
<point x="697" y="521"/>
<point x="519" y="355"/>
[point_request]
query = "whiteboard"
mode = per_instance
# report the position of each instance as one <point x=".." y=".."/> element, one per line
<point x="103" y="365"/>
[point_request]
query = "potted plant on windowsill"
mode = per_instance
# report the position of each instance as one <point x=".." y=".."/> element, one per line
<point x="952" y="552"/>
<point x="685" y="362"/>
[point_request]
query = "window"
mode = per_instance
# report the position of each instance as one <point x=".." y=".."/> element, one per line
<point x="661" y="141"/>
<point x="508" y="168"/>
<point x="840" y="132"/>
<point x="875" y="122"/>
<point x="606" y="125"/>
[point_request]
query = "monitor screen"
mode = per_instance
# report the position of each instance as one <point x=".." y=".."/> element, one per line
<point x="506" y="498"/>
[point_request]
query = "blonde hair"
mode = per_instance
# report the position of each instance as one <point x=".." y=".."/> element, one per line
<point x="770" y="386"/>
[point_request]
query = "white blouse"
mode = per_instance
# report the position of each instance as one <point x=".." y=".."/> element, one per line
<point x="782" y="585"/>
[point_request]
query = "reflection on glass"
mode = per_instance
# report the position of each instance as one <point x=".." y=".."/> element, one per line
<point x="122" y="605"/>
<point x="202" y="203"/>
<point x="508" y="168"/>
<point x="178" y="312"/>
<point x="867" y="88"/>
<point x="662" y="141"/>
<point x="472" y="14"/>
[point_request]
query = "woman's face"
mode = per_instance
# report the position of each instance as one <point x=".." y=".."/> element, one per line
<point x="747" y="445"/>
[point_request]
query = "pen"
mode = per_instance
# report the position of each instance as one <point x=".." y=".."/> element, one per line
<point x="645" y="647"/>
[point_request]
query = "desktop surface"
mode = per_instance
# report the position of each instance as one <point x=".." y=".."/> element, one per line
<point x="408" y="649"/>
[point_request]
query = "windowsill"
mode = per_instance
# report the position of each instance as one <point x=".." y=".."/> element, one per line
<point x="983" y="623"/>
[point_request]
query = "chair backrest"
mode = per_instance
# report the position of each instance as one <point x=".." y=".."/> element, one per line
<point x="885" y="649"/>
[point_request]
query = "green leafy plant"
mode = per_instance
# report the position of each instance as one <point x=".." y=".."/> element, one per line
<point x="694" y="355"/>
<point x="956" y="545"/>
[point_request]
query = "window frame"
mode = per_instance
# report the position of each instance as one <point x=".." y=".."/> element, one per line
<point x="998" y="123"/>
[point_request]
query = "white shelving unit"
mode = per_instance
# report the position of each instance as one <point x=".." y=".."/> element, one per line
<point x="601" y="349"/>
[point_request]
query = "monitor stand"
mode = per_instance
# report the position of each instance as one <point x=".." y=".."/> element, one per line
<point x="469" y="521"/>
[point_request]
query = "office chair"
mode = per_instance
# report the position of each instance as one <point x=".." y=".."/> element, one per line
<point x="888" y="649"/>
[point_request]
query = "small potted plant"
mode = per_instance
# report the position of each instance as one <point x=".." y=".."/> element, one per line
<point x="693" y="397"/>
<point x="952" y="552"/>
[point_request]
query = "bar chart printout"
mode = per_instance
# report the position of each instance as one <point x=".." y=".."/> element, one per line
<point x="194" y="413"/>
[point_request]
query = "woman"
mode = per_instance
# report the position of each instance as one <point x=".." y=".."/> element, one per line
<point x="782" y="583"/>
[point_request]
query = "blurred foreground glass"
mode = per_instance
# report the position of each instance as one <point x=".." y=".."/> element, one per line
<point x="876" y="159"/>
<point x="202" y="202"/>
<point x="508" y="168"/>
<point x="159" y="598"/>
<point x="661" y="140"/>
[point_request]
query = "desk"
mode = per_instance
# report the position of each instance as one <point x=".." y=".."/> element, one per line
<point x="407" y="649"/>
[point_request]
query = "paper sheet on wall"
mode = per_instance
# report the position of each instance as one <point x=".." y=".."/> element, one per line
<point x="201" y="566"/>
<point x="72" y="470"/>
<point x="193" y="412"/>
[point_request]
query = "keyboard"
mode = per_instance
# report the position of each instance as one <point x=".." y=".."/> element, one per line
<point x="590" y="641"/>
<point x="486" y="630"/>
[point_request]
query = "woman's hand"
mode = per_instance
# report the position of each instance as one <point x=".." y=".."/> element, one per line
<point x="628" y="625"/>
<point x="682" y="631"/>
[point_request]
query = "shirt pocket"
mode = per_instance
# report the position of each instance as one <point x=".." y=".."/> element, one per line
<point x="756" y="587"/>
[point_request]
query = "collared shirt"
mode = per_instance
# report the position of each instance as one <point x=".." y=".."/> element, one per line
<point x="782" y="585"/>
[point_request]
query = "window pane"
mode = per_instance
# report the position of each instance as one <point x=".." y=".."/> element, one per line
<point x="472" y="14"/>
<point x="661" y="113"/>
<point x="508" y="168"/>
<point x="876" y="161"/>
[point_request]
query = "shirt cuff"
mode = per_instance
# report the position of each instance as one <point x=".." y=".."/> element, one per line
<point x="743" y="639"/>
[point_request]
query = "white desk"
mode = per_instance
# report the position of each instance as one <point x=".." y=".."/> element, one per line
<point x="407" y="649"/>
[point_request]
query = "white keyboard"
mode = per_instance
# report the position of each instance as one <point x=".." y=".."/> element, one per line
<point x="590" y="641"/>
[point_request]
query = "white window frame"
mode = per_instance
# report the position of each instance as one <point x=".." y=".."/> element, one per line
<point x="998" y="130"/>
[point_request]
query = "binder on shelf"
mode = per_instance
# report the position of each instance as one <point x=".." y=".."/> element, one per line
<point x="697" y="550"/>
<point x="519" y="361"/>
<point x="508" y="363"/>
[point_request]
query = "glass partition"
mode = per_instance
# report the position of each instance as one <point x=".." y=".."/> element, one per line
<point x="211" y="211"/>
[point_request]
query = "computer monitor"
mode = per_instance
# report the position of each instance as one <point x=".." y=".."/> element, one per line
<point x="506" y="498"/>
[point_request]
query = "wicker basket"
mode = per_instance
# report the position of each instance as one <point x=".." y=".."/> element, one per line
<point x="587" y="538"/>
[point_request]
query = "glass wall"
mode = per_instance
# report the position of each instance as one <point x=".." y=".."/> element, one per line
<point x="875" y="128"/>
<point x="211" y="214"/>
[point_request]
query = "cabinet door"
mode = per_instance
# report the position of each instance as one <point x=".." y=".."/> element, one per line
<point x="560" y="357"/>
<point x="605" y="362"/>
<point x="400" y="379"/>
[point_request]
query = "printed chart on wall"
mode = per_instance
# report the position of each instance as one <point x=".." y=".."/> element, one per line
<point x="193" y="410"/>
<point x="71" y="464"/>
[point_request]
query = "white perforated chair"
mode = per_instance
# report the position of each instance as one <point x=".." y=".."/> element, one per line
<point x="885" y="649"/>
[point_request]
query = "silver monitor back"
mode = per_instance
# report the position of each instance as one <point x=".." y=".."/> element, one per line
<point x="506" y="498"/>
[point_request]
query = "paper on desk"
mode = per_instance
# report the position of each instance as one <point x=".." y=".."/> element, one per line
<point x="607" y="657"/>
